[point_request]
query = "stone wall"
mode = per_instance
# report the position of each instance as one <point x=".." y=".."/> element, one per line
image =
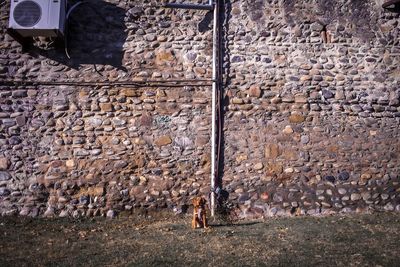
<point x="313" y="118"/>
<point x="311" y="121"/>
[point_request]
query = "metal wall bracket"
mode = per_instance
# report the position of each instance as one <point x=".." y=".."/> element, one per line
<point x="190" y="6"/>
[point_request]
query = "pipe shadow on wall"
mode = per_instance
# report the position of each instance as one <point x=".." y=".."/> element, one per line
<point x="205" y="23"/>
<point x="225" y="59"/>
<point x="96" y="35"/>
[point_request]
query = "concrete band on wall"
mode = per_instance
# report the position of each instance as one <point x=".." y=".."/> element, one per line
<point x="311" y="123"/>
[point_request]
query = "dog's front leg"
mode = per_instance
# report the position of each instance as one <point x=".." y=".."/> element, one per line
<point x="194" y="220"/>
<point x="205" y="224"/>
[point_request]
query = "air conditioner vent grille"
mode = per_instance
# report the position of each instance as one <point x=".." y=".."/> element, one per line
<point x="27" y="13"/>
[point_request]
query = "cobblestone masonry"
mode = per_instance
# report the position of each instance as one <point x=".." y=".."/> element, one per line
<point x="311" y="116"/>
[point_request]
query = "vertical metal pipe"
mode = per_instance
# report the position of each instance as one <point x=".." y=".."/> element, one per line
<point x="214" y="91"/>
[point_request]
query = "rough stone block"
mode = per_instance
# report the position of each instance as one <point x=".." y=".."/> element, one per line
<point x="366" y="177"/>
<point x="106" y="107"/>
<point x="96" y="191"/>
<point x="237" y="101"/>
<point x="355" y="197"/>
<point x="255" y="91"/>
<point x="290" y="154"/>
<point x="274" y="169"/>
<point x="70" y="163"/>
<point x="19" y="93"/>
<point x="163" y="57"/>
<point x="130" y="92"/>
<point x="4" y="164"/>
<point x="202" y="140"/>
<point x="300" y="99"/>
<point x="272" y="151"/>
<point x="4" y="176"/>
<point x="258" y="166"/>
<point x="163" y="141"/>
<point x="21" y="120"/>
<point x="288" y="129"/>
<point x="241" y="158"/>
<point x="296" y="118"/>
<point x="289" y="170"/>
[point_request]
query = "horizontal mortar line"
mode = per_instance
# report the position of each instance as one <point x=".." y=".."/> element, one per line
<point x="322" y="45"/>
<point x="323" y="48"/>
<point x="258" y="52"/>
<point x="148" y="83"/>
<point x="248" y="53"/>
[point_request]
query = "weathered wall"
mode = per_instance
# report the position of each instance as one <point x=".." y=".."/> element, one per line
<point x="311" y="116"/>
<point x="95" y="148"/>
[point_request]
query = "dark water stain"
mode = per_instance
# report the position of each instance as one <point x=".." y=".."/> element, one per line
<point x="288" y="6"/>
<point x="255" y="10"/>
<point x="357" y="16"/>
<point x="362" y="18"/>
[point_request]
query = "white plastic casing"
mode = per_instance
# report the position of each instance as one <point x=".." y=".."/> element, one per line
<point x="50" y="23"/>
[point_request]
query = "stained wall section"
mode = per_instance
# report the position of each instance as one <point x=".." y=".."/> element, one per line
<point x="311" y="123"/>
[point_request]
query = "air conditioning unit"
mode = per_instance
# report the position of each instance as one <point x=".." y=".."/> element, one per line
<point x="30" y="18"/>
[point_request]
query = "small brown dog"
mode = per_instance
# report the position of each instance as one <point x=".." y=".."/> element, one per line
<point x="199" y="213"/>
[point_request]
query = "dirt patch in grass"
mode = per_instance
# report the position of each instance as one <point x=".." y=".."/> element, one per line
<point x="358" y="240"/>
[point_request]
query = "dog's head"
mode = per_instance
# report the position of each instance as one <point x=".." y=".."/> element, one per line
<point x="199" y="202"/>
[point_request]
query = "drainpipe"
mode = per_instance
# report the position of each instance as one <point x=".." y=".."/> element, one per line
<point x="212" y="5"/>
<point x="214" y="93"/>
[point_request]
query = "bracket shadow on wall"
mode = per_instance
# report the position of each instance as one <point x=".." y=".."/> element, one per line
<point x="96" y="33"/>
<point x="204" y="25"/>
<point x="392" y="5"/>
